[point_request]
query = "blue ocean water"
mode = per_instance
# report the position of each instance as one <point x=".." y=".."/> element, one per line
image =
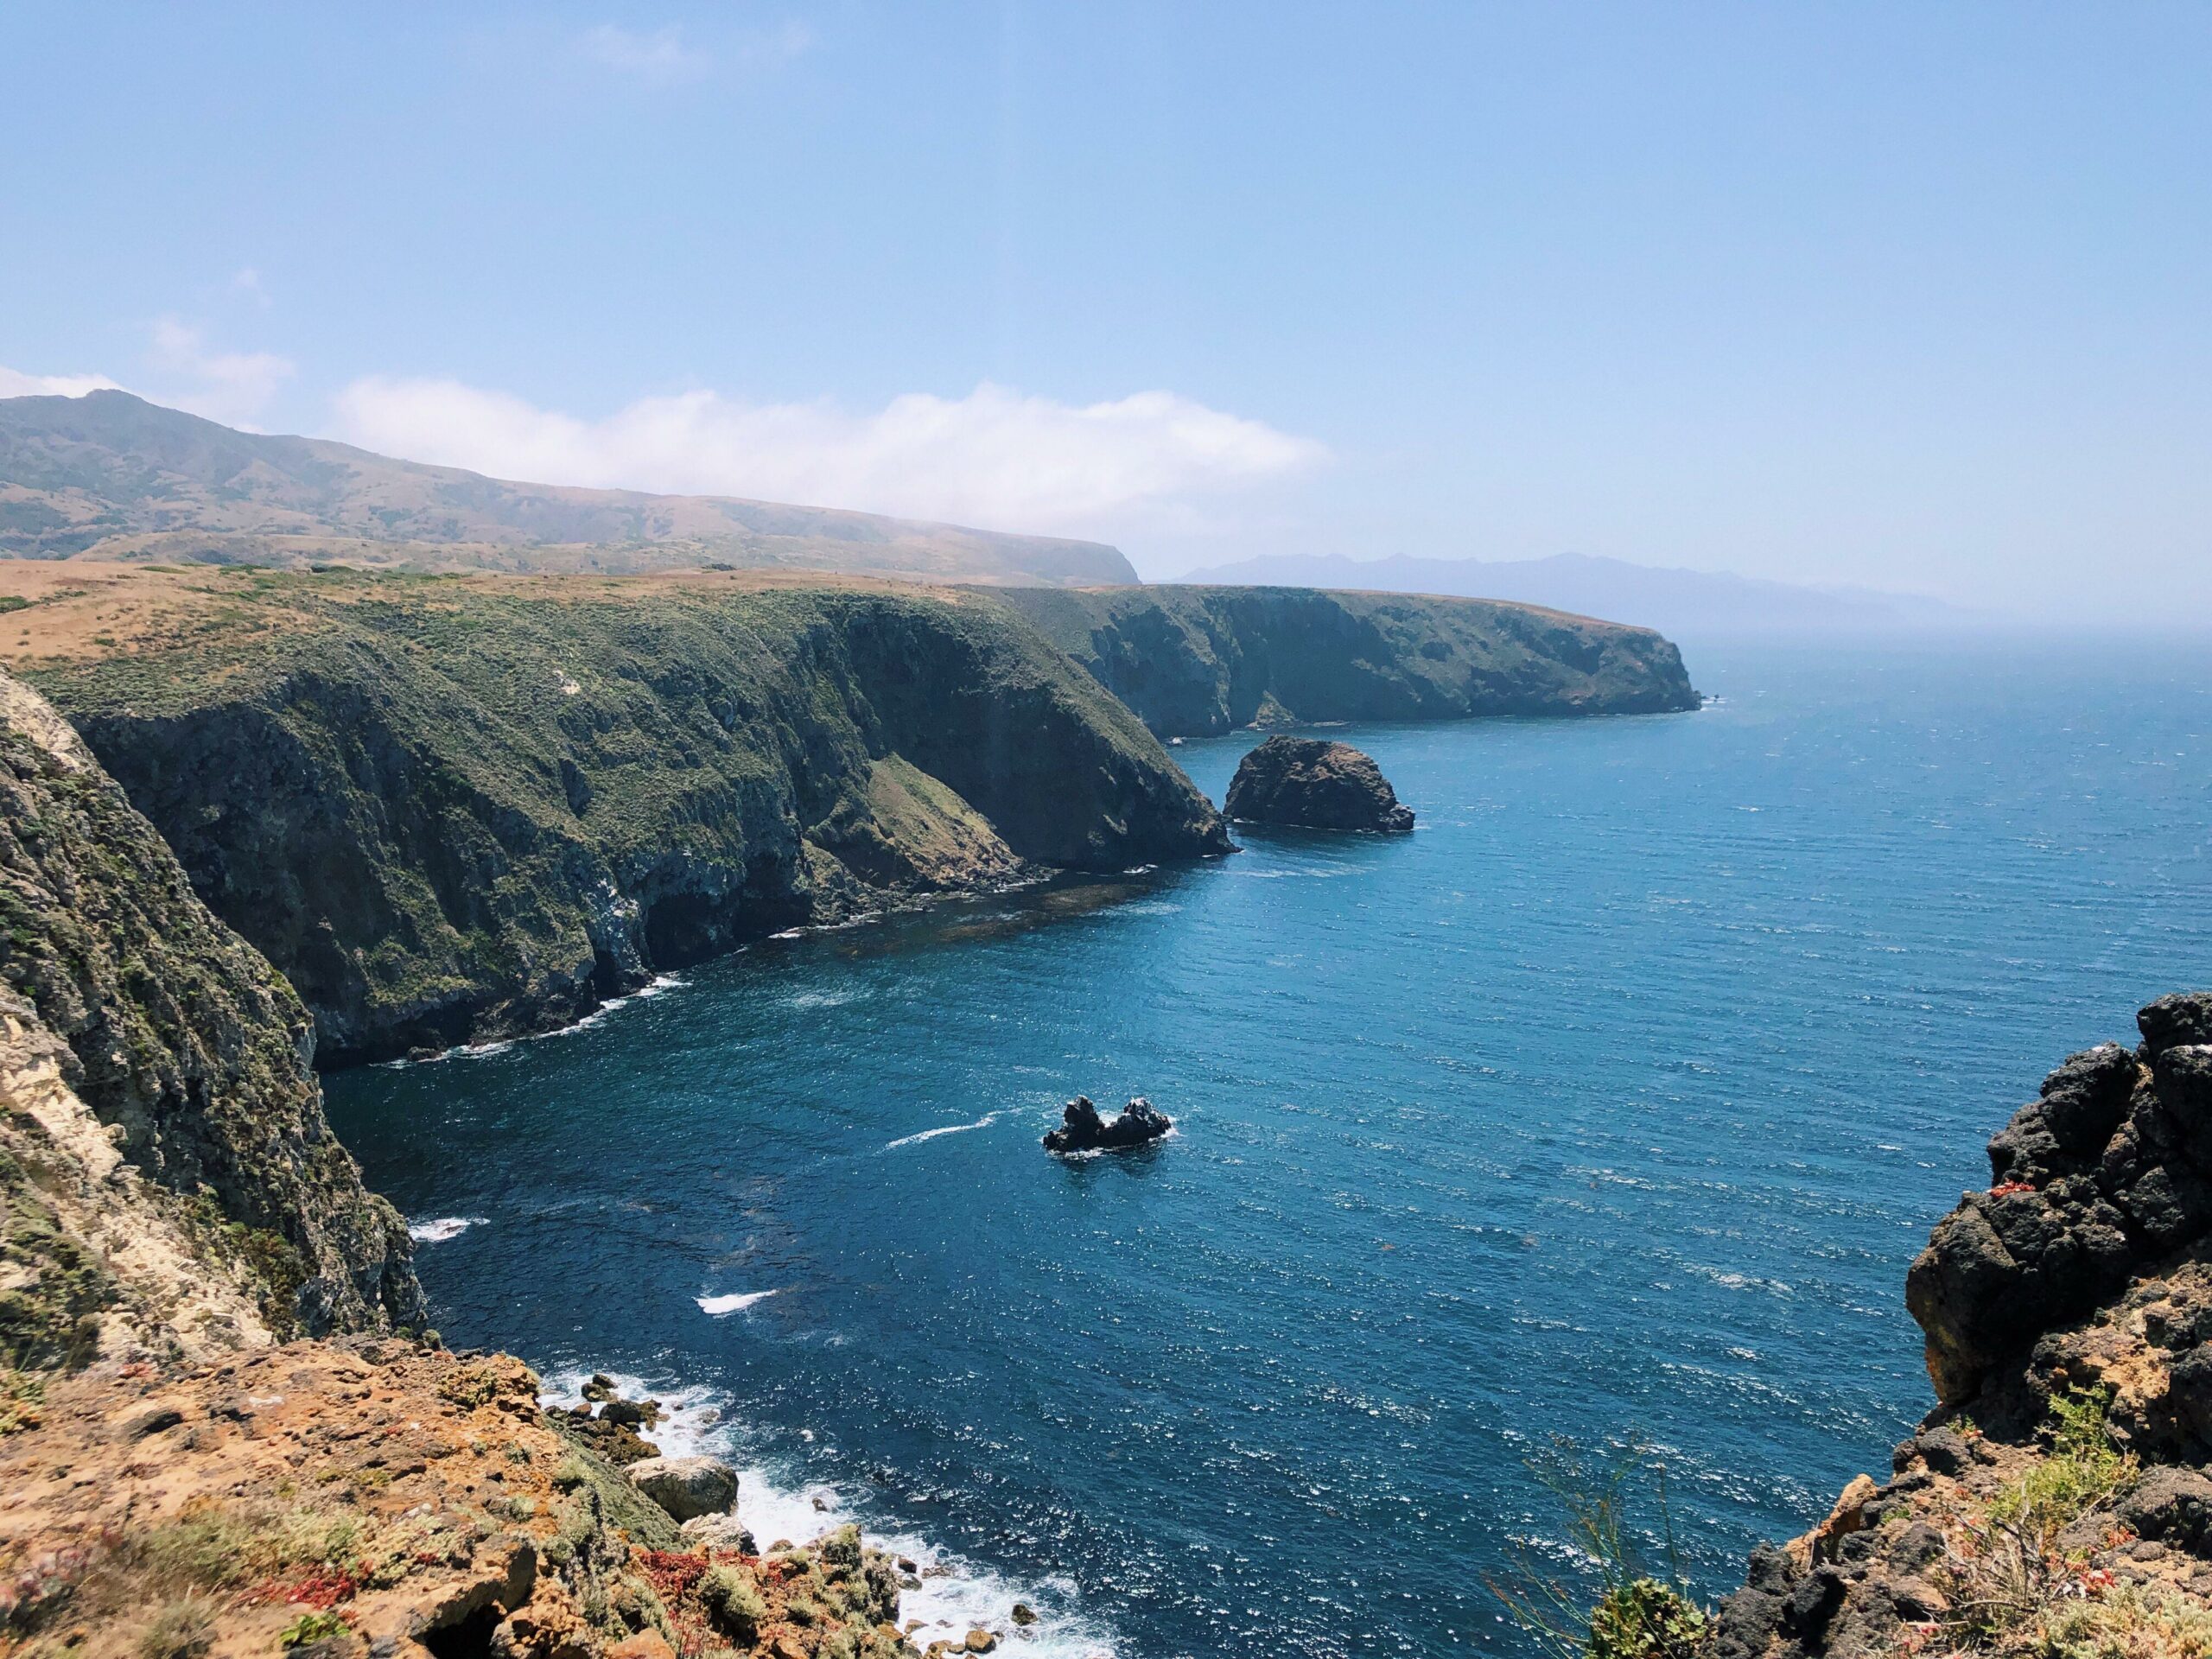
<point x="1611" y="1104"/>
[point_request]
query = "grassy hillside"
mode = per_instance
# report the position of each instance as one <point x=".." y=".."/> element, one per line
<point x="1197" y="660"/>
<point x="113" y="476"/>
<point x="448" y="807"/>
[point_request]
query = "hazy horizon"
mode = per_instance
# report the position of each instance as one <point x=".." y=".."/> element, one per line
<point x="1884" y="298"/>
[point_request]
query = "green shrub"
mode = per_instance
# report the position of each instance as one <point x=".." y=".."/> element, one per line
<point x="1646" y="1620"/>
<point x="182" y="1630"/>
<point x="730" y="1595"/>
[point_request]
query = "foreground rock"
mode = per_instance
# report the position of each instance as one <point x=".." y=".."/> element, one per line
<point x="1311" y="783"/>
<point x="1081" y="1129"/>
<point x="374" y="1497"/>
<point x="2055" y="1502"/>
<point x="687" y="1488"/>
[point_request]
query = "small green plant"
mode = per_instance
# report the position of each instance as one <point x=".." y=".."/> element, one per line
<point x="22" y="1397"/>
<point x="310" y="1628"/>
<point x="2014" y="1573"/>
<point x="1636" y="1612"/>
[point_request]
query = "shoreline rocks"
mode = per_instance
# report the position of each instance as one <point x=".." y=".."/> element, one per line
<point x="1308" y="783"/>
<point x="1082" y="1129"/>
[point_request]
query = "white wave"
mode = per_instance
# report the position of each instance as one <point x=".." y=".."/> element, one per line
<point x="983" y="1122"/>
<point x="715" y="1306"/>
<point x="778" y="1502"/>
<point x="485" y="1050"/>
<point x="445" y="1227"/>
<point x="790" y="933"/>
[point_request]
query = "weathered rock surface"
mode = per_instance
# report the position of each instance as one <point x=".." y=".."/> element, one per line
<point x="451" y="810"/>
<point x="167" y="1182"/>
<point x="1311" y="783"/>
<point x="1081" y="1129"/>
<point x="409" y="1503"/>
<point x="1194" y="661"/>
<point x="2084" y="1273"/>
<point x="686" y="1487"/>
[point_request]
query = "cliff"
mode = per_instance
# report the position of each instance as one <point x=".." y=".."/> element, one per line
<point x="458" y="809"/>
<point x="114" y="477"/>
<point x="168" y="1184"/>
<point x="2057" y="1501"/>
<point x="1195" y="661"/>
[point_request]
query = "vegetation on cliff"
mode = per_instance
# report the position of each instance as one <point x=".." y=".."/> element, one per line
<point x="1193" y="661"/>
<point x="449" y="809"/>
<point x="167" y="1178"/>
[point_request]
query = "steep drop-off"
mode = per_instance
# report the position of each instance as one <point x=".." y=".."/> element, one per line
<point x="2057" y="1502"/>
<point x="460" y="808"/>
<point x="167" y="1182"/>
<point x="1195" y="661"/>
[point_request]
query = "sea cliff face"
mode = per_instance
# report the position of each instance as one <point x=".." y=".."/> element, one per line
<point x="453" y="810"/>
<point x="1195" y="661"/>
<point x="167" y="1182"/>
<point x="2057" y="1501"/>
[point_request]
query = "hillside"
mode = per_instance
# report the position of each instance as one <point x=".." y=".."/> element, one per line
<point x="1193" y="661"/>
<point x="1676" y="602"/>
<point x="461" y="808"/>
<point x="113" y="476"/>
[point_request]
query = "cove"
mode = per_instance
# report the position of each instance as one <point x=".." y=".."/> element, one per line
<point x="1612" y="1101"/>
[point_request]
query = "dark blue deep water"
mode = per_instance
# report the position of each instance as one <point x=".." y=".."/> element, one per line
<point x="1611" y="1104"/>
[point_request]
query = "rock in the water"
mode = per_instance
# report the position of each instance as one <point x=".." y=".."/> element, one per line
<point x="1310" y="784"/>
<point x="720" y="1532"/>
<point x="686" y="1487"/>
<point x="1081" y="1129"/>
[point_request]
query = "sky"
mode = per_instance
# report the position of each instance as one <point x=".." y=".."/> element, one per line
<point x="1912" y="297"/>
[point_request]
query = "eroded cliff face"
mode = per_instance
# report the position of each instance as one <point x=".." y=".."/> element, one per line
<point x="457" y="809"/>
<point x="1195" y="661"/>
<point x="2057" y="1501"/>
<point x="168" y="1184"/>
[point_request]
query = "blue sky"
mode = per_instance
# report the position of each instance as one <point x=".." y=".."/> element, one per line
<point x="1918" y="296"/>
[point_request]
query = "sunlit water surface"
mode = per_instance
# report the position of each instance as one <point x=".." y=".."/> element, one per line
<point x="1611" y="1104"/>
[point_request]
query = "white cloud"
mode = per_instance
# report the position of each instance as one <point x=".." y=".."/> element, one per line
<point x="994" y="458"/>
<point x="15" y="384"/>
<point x="229" y="386"/>
<point x="659" y="54"/>
<point x="246" y="282"/>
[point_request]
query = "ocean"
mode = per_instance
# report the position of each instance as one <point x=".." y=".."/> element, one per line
<point x="1607" y="1107"/>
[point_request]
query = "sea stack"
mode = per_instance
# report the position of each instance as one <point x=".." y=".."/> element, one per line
<point x="1081" y="1129"/>
<point x="1309" y="783"/>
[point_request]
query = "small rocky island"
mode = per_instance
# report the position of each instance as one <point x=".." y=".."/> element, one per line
<point x="1309" y="783"/>
<point x="1081" y="1129"/>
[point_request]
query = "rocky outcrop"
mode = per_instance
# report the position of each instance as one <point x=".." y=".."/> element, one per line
<point x="451" y="810"/>
<point x="1193" y="661"/>
<point x="167" y="1182"/>
<point x="1081" y="1129"/>
<point x="1310" y="784"/>
<point x="688" y="1488"/>
<point x="2056" y="1500"/>
<point x="364" y="1498"/>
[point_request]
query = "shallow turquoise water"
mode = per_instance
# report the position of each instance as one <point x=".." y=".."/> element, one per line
<point x="1613" y="1102"/>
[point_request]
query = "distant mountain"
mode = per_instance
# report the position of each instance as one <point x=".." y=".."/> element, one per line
<point x="110" y="475"/>
<point x="1674" y="601"/>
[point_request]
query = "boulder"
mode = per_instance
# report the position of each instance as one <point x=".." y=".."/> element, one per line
<point x="686" y="1487"/>
<point x="1081" y="1129"/>
<point x="720" y="1532"/>
<point x="1311" y="783"/>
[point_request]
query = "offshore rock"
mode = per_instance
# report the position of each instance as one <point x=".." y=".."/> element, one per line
<point x="1311" y="783"/>
<point x="1081" y="1129"/>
